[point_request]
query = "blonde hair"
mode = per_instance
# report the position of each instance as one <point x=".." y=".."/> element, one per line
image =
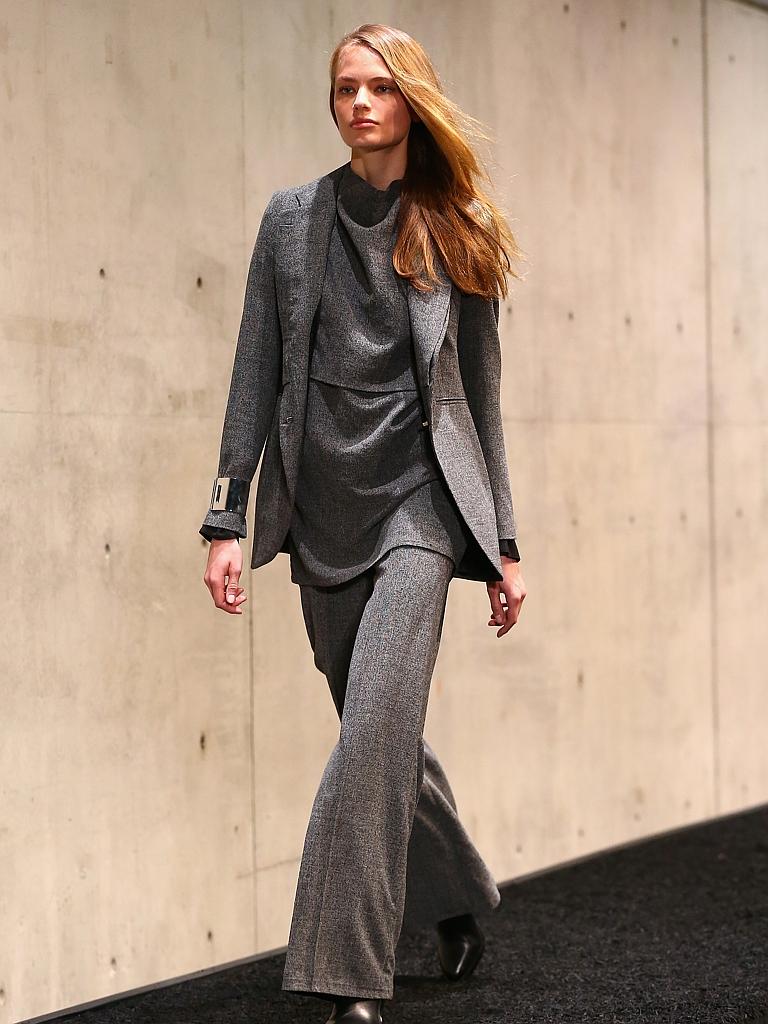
<point x="442" y="207"/>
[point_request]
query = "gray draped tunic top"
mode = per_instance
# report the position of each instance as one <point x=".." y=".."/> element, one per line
<point x="369" y="478"/>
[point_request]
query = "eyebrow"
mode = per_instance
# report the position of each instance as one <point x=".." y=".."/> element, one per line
<point x="374" y="78"/>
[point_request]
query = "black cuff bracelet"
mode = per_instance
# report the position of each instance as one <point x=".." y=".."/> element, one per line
<point x="230" y="494"/>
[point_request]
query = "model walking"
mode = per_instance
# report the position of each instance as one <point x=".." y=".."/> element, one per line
<point x="368" y="362"/>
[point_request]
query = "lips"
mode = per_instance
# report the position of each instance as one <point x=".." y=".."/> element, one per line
<point x="362" y="123"/>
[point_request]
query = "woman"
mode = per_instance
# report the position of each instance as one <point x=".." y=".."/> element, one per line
<point x="368" y="361"/>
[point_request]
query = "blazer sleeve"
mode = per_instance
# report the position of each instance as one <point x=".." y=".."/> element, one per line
<point x="480" y="363"/>
<point x="255" y="379"/>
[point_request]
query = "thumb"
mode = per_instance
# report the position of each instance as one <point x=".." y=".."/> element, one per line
<point x="232" y="582"/>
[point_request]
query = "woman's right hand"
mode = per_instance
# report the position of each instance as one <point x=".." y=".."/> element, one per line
<point x="222" y="575"/>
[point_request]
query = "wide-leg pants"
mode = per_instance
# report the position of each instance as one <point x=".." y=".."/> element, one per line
<point x="384" y="849"/>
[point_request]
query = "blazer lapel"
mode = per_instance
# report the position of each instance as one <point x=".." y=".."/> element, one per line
<point x="304" y="237"/>
<point x="429" y="313"/>
<point x="300" y="260"/>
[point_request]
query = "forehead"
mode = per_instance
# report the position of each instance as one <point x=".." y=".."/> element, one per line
<point x="358" y="63"/>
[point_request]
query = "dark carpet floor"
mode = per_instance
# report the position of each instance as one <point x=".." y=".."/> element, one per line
<point x="673" y="929"/>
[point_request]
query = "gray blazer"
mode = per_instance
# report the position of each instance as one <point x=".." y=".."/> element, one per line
<point x="458" y="360"/>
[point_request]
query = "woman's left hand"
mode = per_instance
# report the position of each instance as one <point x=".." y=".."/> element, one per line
<point x="513" y="589"/>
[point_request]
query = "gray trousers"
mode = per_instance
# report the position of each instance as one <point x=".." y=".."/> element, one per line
<point x="384" y="850"/>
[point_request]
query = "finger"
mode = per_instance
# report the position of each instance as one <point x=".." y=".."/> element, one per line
<point x="232" y="585"/>
<point x="509" y="618"/>
<point x="497" y="612"/>
<point x="234" y="607"/>
<point x="498" y="618"/>
<point x="216" y="587"/>
<point x="506" y="627"/>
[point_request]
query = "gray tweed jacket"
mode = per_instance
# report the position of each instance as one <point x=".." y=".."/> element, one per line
<point x="458" y="359"/>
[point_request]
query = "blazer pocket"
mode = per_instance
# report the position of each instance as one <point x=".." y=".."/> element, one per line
<point x="453" y="398"/>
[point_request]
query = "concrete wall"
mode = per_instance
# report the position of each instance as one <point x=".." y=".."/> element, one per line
<point x="159" y="758"/>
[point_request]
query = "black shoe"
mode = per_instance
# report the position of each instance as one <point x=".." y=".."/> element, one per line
<point x="355" y="1011"/>
<point x="460" y="944"/>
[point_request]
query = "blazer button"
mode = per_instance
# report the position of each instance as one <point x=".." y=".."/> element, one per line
<point x="425" y="423"/>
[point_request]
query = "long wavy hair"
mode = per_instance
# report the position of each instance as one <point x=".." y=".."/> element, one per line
<point x="442" y="207"/>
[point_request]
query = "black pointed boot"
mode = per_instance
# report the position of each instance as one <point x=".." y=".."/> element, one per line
<point x="355" y="1011"/>
<point x="460" y="944"/>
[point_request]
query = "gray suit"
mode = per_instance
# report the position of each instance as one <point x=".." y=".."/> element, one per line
<point x="458" y="360"/>
<point x="384" y="847"/>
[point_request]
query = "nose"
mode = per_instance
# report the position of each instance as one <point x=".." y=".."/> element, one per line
<point x="361" y="100"/>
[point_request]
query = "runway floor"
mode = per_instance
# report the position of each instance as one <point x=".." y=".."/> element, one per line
<point x="671" y="929"/>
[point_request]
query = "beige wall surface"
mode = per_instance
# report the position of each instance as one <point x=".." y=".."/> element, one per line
<point x="159" y="758"/>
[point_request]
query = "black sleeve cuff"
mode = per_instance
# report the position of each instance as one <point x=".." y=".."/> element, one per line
<point x="217" y="533"/>
<point x="508" y="546"/>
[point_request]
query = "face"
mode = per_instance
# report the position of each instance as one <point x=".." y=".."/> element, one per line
<point x="364" y="91"/>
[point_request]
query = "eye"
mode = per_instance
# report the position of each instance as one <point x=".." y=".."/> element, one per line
<point x="348" y="88"/>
